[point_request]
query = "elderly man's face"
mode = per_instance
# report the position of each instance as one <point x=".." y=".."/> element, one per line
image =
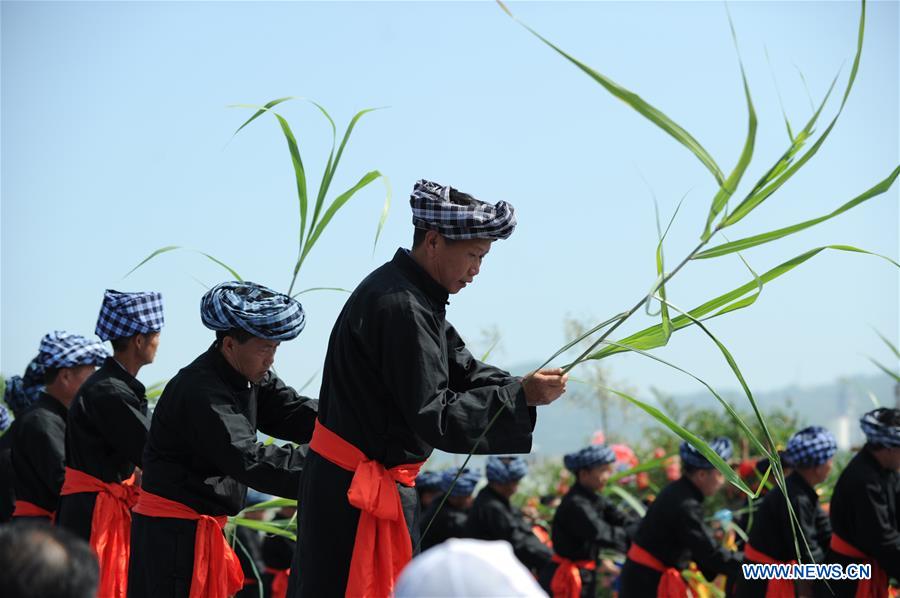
<point x="456" y="263"/>
<point x="252" y="358"/>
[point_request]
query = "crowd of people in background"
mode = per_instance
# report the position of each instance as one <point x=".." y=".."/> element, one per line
<point x="99" y="496"/>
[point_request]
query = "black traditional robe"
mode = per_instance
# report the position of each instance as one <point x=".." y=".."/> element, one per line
<point x="7" y="485"/>
<point x="398" y="382"/>
<point x="584" y="523"/>
<point x="202" y="451"/>
<point x="39" y="453"/>
<point x="277" y="554"/>
<point x="492" y="517"/>
<point x="449" y="522"/>
<point x="771" y="531"/>
<point x="249" y="553"/>
<point x="864" y="513"/>
<point x="673" y="530"/>
<point x="105" y="435"/>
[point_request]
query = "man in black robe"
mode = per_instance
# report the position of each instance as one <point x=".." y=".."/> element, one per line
<point x="771" y="539"/>
<point x="108" y="421"/>
<point x="19" y="394"/>
<point x="584" y="523"/>
<point x="864" y="508"/>
<point x="493" y="517"/>
<point x="428" y="487"/>
<point x="202" y="451"/>
<point x="446" y="516"/>
<point x="39" y="442"/>
<point x="673" y="532"/>
<point x="398" y="382"/>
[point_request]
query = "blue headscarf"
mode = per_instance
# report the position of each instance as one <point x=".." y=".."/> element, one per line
<point x="5" y="419"/>
<point x="503" y="470"/>
<point x="459" y="216"/>
<point x="589" y="456"/>
<point x="61" y="349"/>
<point x="21" y="392"/>
<point x="123" y="315"/>
<point x="810" y="447"/>
<point x="877" y="432"/>
<point x="428" y="480"/>
<point x="464" y="486"/>
<point x="253" y="308"/>
<point x="691" y="457"/>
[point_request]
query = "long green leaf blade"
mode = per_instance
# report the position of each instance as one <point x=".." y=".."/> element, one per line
<point x="259" y="112"/>
<point x="633" y="100"/>
<point x="774" y="235"/>
<point x="153" y="255"/>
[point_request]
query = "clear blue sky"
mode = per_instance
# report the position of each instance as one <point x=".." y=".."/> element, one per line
<point x="115" y="141"/>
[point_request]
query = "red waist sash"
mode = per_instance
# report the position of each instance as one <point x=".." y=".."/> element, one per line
<point x="566" y="582"/>
<point x="217" y="571"/>
<point x="874" y="587"/>
<point x="671" y="584"/>
<point x="110" y="526"/>
<point x="776" y="588"/>
<point x="279" y="581"/>
<point x="382" y="546"/>
<point x="29" y="509"/>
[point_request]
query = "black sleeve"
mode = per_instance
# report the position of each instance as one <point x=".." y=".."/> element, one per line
<point x="810" y="526"/>
<point x="39" y="461"/>
<point x="283" y="413"/>
<point x="224" y="436"/>
<point x="501" y="524"/>
<point x="121" y="417"/>
<point x="465" y="371"/>
<point x="584" y="521"/>
<point x="712" y="558"/>
<point x="414" y="365"/>
<point x="883" y="540"/>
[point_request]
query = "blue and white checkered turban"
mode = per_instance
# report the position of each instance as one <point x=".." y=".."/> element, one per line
<point x="66" y="350"/>
<point x="694" y="458"/>
<point x="877" y="432"/>
<point x="125" y="314"/>
<point x="5" y="419"/>
<point x="589" y="456"/>
<point x="464" y="486"/>
<point x="21" y="392"/>
<point x="504" y="470"/>
<point x="428" y="480"/>
<point x="459" y="216"/>
<point x="810" y="447"/>
<point x="262" y="312"/>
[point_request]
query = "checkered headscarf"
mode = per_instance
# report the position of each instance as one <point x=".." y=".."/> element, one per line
<point x="254" y="308"/>
<point x="589" y="456"/>
<point x="503" y="470"/>
<point x="428" y="480"/>
<point x="5" y="419"/>
<point x="21" y="392"/>
<point x="459" y="216"/>
<point x="465" y="485"/>
<point x="694" y="458"/>
<point x="125" y="314"/>
<point x="810" y="447"/>
<point x="66" y="350"/>
<point x="877" y="432"/>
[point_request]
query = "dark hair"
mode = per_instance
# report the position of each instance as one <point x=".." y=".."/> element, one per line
<point x="419" y="238"/>
<point x="50" y="375"/>
<point x="238" y="334"/>
<point x="38" y="559"/>
<point x="120" y="344"/>
<point x="689" y="469"/>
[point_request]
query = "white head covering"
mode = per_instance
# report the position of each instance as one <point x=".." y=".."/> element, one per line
<point x="470" y="568"/>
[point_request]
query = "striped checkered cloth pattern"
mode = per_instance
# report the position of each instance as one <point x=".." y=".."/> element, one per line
<point x="262" y="312"/>
<point x="589" y="456"/>
<point x="459" y="216"/>
<point x="60" y="349"/>
<point x="811" y="446"/>
<point x="691" y="457"/>
<point x="877" y="432"/>
<point x="504" y="470"/>
<point x="125" y="314"/>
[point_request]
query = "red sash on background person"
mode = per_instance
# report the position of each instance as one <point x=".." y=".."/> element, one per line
<point x="29" y="509"/>
<point x="110" y="527"/>
<point x="566" y="582"/>
<point x="776" y="588"/>
<point x="279" y="581"/>
<point x="874" y="587"/>
<point x="671" y="584"/>
<point x="217" y="571"/>
<point x="382" y="546"/>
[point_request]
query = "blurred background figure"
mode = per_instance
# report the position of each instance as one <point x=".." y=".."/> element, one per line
<point x="37" y="559"/>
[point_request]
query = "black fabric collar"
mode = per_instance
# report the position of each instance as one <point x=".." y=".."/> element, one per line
<point x="404" y="261"/>
<point x="230" y="375"/>
<point x="872" y="461"/>
<point x="115" y="369"/>
<point x="52" y="404"/>
<point x="696" y="493"/>
<point x="578" y="488"/>
<point x="800" y="482"/>
<point x="499" y="496"/>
